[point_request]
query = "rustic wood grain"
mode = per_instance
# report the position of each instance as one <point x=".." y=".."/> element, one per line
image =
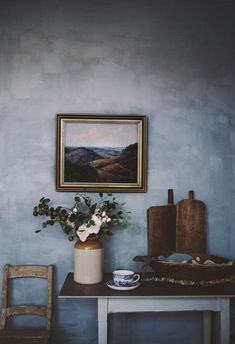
<point x="49" y="296"/>
<point x="4" y="297"/>
<point x="161" y="222"/>
<point x="19" y="271"/>
<point x="17" y="310"/>
<point x="191" y="226"/>
<point x="31" y="336"/>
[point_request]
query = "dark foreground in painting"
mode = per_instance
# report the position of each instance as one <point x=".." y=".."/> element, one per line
<point x="101" y="164"/>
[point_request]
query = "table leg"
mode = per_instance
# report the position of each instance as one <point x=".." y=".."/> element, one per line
<point x="224" y="321"/>
<point x="102" y="321"/>
<point x="206" y="327"/>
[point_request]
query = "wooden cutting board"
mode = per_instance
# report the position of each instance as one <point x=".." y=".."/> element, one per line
<point x="161" y="221"/>
<point x="191" y="226"/>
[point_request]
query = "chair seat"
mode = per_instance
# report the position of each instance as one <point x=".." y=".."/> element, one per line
<point x="24" y="336"/>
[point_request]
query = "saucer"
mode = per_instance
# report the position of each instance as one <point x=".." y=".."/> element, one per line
<point x="112" y="285"/>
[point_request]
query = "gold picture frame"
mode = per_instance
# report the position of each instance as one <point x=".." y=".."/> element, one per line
<point x="101" y="153"/>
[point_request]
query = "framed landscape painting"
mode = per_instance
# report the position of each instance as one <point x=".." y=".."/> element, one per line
<point x="101" y="153"/>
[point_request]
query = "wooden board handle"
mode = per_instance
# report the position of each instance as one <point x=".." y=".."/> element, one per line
<point x="170" y="196"/>
<point x="191" y="194"/>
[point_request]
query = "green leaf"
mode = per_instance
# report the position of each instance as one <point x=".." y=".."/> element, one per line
<point x="133" y="227"/>
<point x="109" y="194"/>
<point x="66" y="230"/>
<point x="50" y="222"/>
<point x="87" y="201"/>
<point x="44" y="224"/>
<point x="37" y="231"/>
<point x="73" y="232"/>
<point x="58" y="209"/>
<point x="129" y="217"/>
<point x="41" y="200"/>
<point x="93" y="208"/>
<point x="101" y="194"/>
<point x="114" y="221"/>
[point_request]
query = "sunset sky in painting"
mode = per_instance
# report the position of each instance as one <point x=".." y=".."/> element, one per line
<point x="100" y="134"/>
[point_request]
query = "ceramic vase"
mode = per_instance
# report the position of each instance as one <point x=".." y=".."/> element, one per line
<point x="88" y="261"/>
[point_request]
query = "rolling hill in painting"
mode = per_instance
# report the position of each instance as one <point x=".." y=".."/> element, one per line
<point x="101" y="164"/>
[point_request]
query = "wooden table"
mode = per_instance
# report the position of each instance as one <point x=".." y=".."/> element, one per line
<point x="152" y="296"/>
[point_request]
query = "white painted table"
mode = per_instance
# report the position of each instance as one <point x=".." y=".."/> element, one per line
<point x="158" y="297"/>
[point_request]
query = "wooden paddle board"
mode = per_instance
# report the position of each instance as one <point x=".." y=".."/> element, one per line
<point x="191" y="226"/>
<point x="161" y="221"/>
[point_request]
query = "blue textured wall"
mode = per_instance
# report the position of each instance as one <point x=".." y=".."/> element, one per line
<point x="172" y="60"/>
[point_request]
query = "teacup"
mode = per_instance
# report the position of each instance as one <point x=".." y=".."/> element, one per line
<point x="125" y="278"/>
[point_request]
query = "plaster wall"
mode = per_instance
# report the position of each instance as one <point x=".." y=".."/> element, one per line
<point x="171" y="60"/>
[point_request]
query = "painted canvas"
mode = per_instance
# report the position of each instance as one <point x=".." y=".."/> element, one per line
<point x="104" y="152"/>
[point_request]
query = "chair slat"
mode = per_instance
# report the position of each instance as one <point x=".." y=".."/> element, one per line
<point x="26" y="309"/>
<point x="17" y="271"/>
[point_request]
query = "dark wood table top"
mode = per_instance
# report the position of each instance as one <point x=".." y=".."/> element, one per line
<point x="147" y="289"/>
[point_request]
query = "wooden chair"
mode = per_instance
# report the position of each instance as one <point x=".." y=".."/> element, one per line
<point x="24" y="336"/>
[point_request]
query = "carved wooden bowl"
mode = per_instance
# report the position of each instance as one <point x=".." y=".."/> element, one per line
<point x="187" y="273"/>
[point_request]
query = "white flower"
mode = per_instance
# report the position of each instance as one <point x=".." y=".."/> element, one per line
<point x="75" y="210"/>
<point x="96" y="227"/>
<point x="105" y="218"/>
<point x="83" y="233"/>
<point x="96" y="219"/>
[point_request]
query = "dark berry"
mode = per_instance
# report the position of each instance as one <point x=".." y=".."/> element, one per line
<point x="63" y="218"/>
<point x="72" y="217"/>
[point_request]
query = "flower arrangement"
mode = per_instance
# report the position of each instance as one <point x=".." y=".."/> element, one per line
<point x="86" y="217"/>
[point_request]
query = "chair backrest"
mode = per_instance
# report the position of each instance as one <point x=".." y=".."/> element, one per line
<point x="25" y="271"/>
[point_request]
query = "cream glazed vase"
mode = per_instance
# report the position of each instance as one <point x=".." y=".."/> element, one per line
<point x="88" y="261"/>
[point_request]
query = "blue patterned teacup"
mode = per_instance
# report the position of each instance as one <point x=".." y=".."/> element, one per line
<point x="125" y="278"/>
